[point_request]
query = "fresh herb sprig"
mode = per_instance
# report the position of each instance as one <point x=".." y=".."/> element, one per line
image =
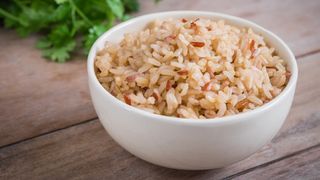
<point x="65" y="25"/>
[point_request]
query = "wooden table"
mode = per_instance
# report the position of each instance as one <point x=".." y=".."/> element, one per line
<point x="49" y="129"/>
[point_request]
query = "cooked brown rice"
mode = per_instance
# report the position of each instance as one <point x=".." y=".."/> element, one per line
<point x="192" y="68"/>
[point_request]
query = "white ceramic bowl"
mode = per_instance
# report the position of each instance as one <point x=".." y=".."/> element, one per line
<point x="189" y="143"/>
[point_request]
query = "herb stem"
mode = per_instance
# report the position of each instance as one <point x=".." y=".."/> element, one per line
<point x="12" y="17"/>
<point x="73" y="18"/>
<point x="18" y="3"/>
<point x="83" y="16"/>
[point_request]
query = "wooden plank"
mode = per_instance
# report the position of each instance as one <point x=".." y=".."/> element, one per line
<point x="86" y="151"/>
<point x="37" y="96"/>
<point x="301" y="166"/>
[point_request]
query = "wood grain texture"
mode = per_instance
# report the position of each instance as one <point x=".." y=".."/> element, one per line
<point x="37" y="96"/>
<point x="86" y="151"/>
<point x="305" y="165"/>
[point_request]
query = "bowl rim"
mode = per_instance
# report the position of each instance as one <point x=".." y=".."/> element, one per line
<point x="176" y="120"/>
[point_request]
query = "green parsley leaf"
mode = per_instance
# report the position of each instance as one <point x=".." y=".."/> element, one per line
<point x="116" y="7"/>
<point x="61" y="1"/>
<point x="63" y="24"/>
<point x="94" y="33"/>
<point x="131" y="5"/>
<point x="43" y="43"/>
<point x="62" y="12"/>
<point x="59" y="54"/>
<point x="58" y="44"/>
